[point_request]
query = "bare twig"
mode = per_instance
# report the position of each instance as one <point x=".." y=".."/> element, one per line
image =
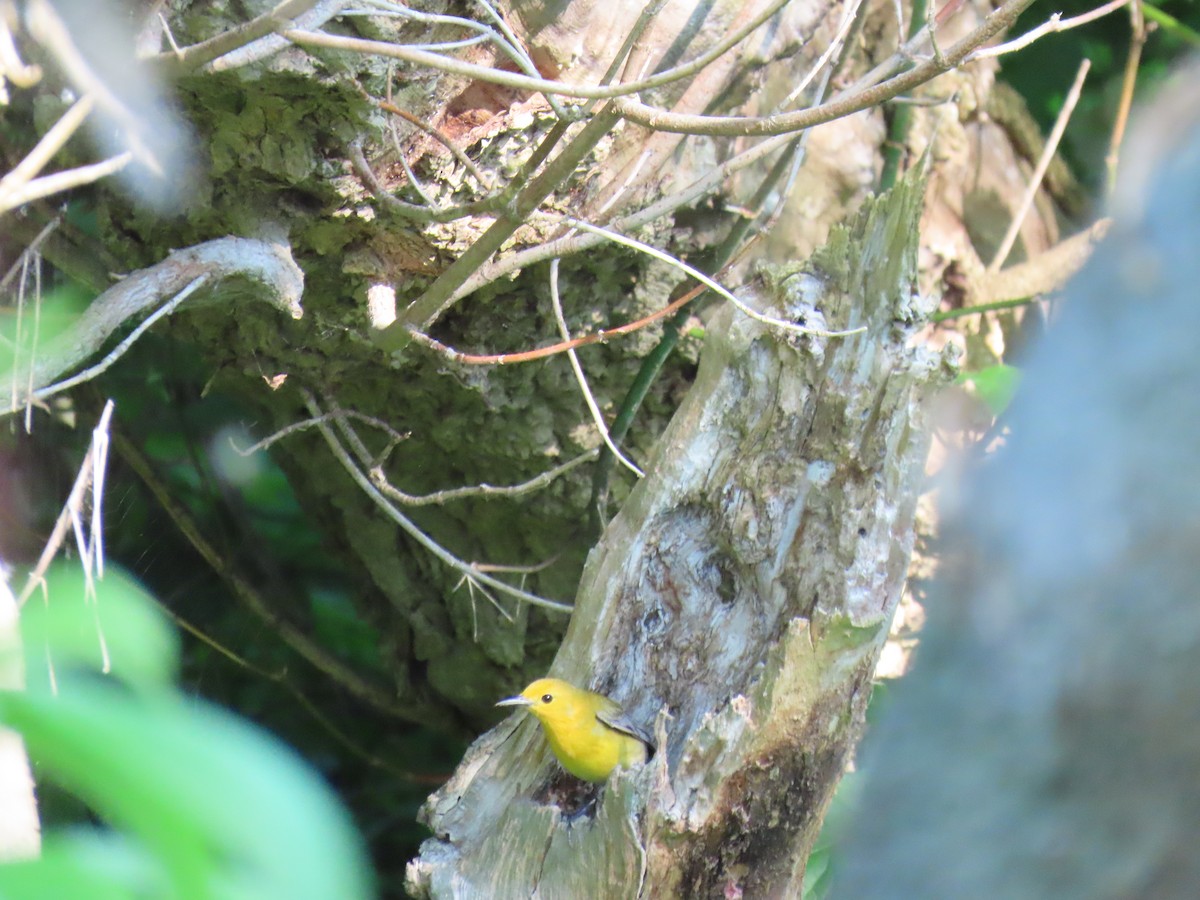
<point x="440" y="295"/>
<point x="413" y="210"/>
<point x="438" y="135"/>
<point x="581" y="379"/>
<point x="707" y="183"/>
<point x="48" y="185"/>
<point x="524" y="82"/>
<point x="364" y="482"/>
<point x="1137" y="40"/>
<point x="657" y="149"/>
<point x="51" y="32"/>
<point x="479" y="490"/>
<point x="1035" y="180"/>
<point x="12" y="69"/>
<point x="846" y="104"/>
<point x="706" y="281"/>
<point x="599" y="337"/>
<point x="304" y="425"/>
<point x="122" y="348"/>
<point x="14" y="182"/>
<point x="30" y="251"/>
<point x="190" y="58"/>
<point x="280" y="677"/>
<point x="1047" y="271"/>
<point x="1053" y="25"/>
<point x="848" y="17"/>
<point x="245" y="52"/>
<point x="84" y="480"/>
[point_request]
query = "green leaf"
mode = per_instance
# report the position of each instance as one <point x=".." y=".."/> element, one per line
<point x="230" y="813"/>
<point x="995" y="385"/>
<point x="92" y="864"/>
<point x="64" y="629"/>
<point x="1171" y="25"/>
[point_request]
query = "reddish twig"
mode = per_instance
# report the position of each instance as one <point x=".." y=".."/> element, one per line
<point x="599" y="337"/>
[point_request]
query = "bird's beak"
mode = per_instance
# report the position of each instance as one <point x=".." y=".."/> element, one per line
<point x="515" y="701"/>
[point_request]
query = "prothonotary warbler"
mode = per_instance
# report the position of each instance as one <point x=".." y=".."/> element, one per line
<point x="588" y="733"/>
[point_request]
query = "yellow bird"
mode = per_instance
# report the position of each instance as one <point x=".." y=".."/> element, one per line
<point x="588" y="733"/>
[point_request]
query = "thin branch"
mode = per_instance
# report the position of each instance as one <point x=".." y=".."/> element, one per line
<point x="519" y="570"/>
<point x="12" y="69"/>
<point x="122" y="348"/>
<point x="50" y="143"/>
<point x="305" y="424"/>
<point x="599" y="337"/>
<point x="849" y="14"/>
<point x="46" y="26"/>
<point x="581" y="379"/>
<point x="522" y="59"/>
<point x="1137" y="41"/>
<point x="1047" y="271"/>
<point x="30" y="251"/>
<point x="280" y="678"/>
<point x="708" y="282"/>
<point x="523" y="82"/>
<point x="43" y="151"/>
<point x="83" y="481"/>
<point x="479" y="490"/>
<point x="48" y="185"/>
<point x="1053" y="25"/>
<point x="413" y="210"/>
<point x="247" y="53"/>
<point x="406" y="524"/>
<point x="1035" y="180"/>
<point x="980" y="308"/>
<point x="427" y="308"/>
<point x="179" y="61"/>
<point x="706" y="184"/>
<point x="437" y="134"/>
<point x="657" y="149"/>
<point x="786" y="123"/>
<point x="631" y="47"/>
<point x="269" y="265"/>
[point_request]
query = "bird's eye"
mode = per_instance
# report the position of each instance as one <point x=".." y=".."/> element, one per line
<point x="546" y="698"/>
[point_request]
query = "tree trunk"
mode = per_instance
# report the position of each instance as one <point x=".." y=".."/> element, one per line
<point x="743" y="592"/>
<point x="1047" y="742"/>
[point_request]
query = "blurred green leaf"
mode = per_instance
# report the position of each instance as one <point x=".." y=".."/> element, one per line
<point x="1171" y="25"/>
<point x="61" y="627"/>
<point x="995" y="385"/>
<point x="91" y="864"/>
<point x="231" y="813"/>
<point x="205" y="806"/>
<point x="37" y="324"/>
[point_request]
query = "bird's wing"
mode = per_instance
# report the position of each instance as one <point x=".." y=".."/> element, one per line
<point x="616" y="719"/>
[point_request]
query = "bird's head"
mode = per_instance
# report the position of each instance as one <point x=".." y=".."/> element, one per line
<point x="550" y="699"/>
